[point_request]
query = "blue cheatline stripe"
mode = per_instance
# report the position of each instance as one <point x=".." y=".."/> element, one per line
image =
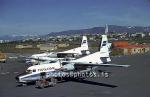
<point x="32" y="76"/>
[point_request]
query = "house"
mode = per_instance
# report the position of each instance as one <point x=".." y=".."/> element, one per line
<point x="22" y="46"/>
<point x="120" y="44"/>
<point x="129" y="49"/>
<point x="135" y="49"/>
<point x="62" y="45"/>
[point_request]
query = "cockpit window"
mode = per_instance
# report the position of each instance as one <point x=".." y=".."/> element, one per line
<point x="29" y="71"/>
<point x="46" y="62"/>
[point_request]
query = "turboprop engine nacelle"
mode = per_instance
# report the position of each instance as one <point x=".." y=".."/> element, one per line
<point x="68" y="67"/>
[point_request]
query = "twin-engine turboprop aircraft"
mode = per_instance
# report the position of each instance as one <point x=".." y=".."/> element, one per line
<point x="64" y="55"/>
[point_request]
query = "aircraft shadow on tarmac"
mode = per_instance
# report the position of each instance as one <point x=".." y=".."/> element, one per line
<point x="95" y="83"/>
<point x="29" y="84"/>
<point x="78" y="81"/>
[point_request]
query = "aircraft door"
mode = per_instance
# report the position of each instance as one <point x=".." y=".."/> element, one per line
<point x="42" y="75"/>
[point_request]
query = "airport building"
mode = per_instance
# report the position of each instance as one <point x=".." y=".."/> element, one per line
<point x="135" y="49"/>
<point x="62" y="45"/>
<point x="47" y="47"/>
<point x="129" y="49"/>
<point x="120" y="44"/>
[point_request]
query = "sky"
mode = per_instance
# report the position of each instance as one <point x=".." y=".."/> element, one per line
<point x="36" y="17"/>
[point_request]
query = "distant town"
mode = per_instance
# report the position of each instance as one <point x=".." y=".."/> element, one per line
<point x="122" y="43"/>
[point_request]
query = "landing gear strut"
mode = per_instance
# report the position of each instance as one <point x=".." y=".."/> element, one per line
<point x="42" y="83"/>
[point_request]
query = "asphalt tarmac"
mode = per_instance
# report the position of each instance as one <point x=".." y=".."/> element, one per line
<point x="133" y="81"/>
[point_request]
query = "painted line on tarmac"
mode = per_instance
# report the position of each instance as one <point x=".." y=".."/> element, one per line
<point x="16" y="72"/>
<point x="5" y="73"/>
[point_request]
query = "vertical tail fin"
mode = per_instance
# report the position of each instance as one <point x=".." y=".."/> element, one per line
<point x="104" y="47"/>
<point x="104" y="50"/>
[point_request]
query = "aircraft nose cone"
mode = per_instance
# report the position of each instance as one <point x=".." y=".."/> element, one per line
<point x="17" y="78"/>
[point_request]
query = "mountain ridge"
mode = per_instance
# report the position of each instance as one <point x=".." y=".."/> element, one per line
<point x="100" y="30"/>
<point x="94" y="30"/>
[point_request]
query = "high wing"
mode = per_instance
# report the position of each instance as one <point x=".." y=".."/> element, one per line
<point x="79" y="66"/>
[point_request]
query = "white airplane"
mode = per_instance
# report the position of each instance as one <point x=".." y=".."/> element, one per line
<point x="82" y="50"/>
<point x="69" y="54"/>
<point x="47" y="74"/>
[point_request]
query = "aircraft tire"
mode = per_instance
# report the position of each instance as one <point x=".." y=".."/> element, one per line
<point x="40" y="83"/>
<point x="53" y="82"/>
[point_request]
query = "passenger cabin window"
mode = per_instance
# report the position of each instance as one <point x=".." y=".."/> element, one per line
<point x="34" y="70"/>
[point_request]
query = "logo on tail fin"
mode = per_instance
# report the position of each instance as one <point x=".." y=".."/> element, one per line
<point x="104" y="43"/>
<point x="84" y="43"/>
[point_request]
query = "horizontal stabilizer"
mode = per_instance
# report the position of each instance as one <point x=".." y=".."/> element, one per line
<point x="114" y="65"/>
<point x="65" y="53"/>
<point x="104" y="65"/>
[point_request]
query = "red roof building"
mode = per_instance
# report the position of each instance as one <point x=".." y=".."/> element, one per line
<point x="135" y="49"/>
<point x="120" y="44"/>
<point x="129" y="49"/>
